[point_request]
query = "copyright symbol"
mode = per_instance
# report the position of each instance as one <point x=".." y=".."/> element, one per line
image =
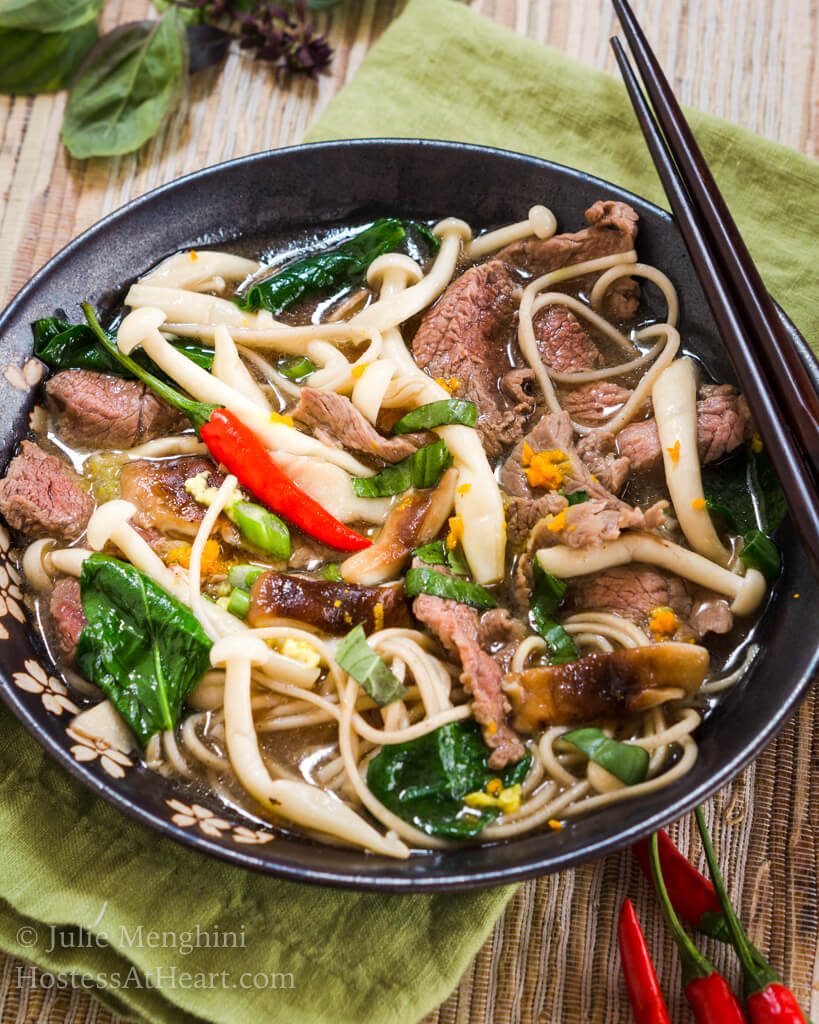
<point x="27" y="935"/>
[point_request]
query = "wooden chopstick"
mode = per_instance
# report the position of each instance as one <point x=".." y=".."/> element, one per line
<point x="786" y="370"/>
<point x="789" y="461"/>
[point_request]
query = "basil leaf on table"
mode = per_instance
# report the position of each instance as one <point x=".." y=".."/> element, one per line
<point x="65" y="346"/>
<point x="48" y="15"/>
<point x="424" y="781"/>
<point x="35" y="62"/>
<point x="144" y="649"/>
<point x="207" y="45"/>
<point x="546" y="597"/>
<point x="132" y="80"/>
<point x="361" y="662"/>
<point x="623" y="760"/>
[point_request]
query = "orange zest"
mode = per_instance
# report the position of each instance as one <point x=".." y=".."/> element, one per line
<point x="545" y="469"/>
<point x="674" y="452"/>
<point x="663" y="622"/>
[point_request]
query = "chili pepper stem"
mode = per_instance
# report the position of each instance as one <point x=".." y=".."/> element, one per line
<point x="757" y="972"/>
<point x="197" y="412"/>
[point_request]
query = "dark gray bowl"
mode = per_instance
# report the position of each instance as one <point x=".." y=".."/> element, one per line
<point x="265" y="195"/>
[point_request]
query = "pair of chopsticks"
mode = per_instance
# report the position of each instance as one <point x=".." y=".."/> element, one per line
<point x="770" y="372"/>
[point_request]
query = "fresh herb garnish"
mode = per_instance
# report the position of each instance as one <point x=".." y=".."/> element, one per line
<point x="577" y="497"/>
<point x="438" y="414"/>
<point x="625" y="761"/>
<point x="144" y="649"/>
<point x="361" y="662"/>
<point x="422" y="469"/>
<point x="296" y="368"/>
<point x="322" y="271"/>
<point x="547" y="595"/>
<point x="331" y="572"/>
<point x="452" y="588"/>
<point x="426" y="780"/>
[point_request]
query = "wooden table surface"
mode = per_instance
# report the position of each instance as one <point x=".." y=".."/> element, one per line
<point x="550" y="958"/>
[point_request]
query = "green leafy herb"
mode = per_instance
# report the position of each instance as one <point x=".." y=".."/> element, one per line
<point x="546" y="597"/>
<point x="744" y="492"/>
<point x="332" y="268"/>
<point x="425" y="780"/>
<point x="244" y="576"/>
<point x="64" y="346"/>
<point x="296" y="368"/>
<point x="625" y="761"/>
<point x="144" y="649"/>
<point x="438" y="414"/>
<point x="35" y="62"/>
<point x="433" y="553"/>
<point x="453" y="588"/>
<point x="132" y="80"/>
<point x="259" y="526"/>
<point x="577" y="498"/>
<point x="456" y="561"/>
<point x="332" y="572"/>
<point x="360" y="661"/>
<point x="48" y="15"/>
<point x="239" y="603"/>
<point x="421" y="469"/>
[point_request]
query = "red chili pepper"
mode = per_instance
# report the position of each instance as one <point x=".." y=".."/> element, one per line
<point x="707" y="992"/>
<point x="243" y="454"/>
<point x="641" y="979"/>
<point x="767" y="998"/>
<point x="692" y="896"/>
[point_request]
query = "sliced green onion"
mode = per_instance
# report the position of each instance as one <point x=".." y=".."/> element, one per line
<point x="264" y="530"/>
<point x="438" y="414"/>
<point x="625" y="761"/>
<point x="760" y="552"/>
<point x="332" y="572"/>
<point x="239" y="603"/>
<point x="421" y="469"/>
<point x="361" y="662"/>
<point x="577" y="497"/>
<point x="432" y="554"/>
<point x="547" y="595"/>
<point x="452" y="588"/>
<point x="244" y="576"/>
<point x="296" y="368"/>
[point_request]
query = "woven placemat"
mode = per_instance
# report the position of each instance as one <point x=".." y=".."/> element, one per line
<point x="551" y="957"/>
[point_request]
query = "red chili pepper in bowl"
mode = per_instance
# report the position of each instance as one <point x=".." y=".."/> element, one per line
<point x="707" y="992"/>
<point x="243" y="454"/>
<point x="641" y="979"/>
<point x="767" y="999"/>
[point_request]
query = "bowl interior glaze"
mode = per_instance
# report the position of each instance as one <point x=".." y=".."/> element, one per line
<point x="272" y="193"/>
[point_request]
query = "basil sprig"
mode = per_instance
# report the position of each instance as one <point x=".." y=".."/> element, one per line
<point x="361" y="662"/>
<point x="422" y="469"/>
<point x="438" y="414"/>
<point x="625" y="761"/>
<point x="452" y="588"/>
<point x="547" y="595"/>
<point x="144" y="649"/>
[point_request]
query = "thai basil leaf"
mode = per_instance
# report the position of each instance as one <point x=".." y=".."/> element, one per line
<point x="207" y="45"/>
<point x="360" y="661"/>
<point x="331" y="268"/>
<point x="625" y="761"/>
<point x="438" y="414"/>
<point x="48" y="15"/>
<point x="452" y="588"/>
<point x="422" y="469"/>
<point x="64" y="346"/>
<point x="425" y="781"/>
<point x="35" y="62"/>
<point x="546" y="597"/>
<point x="456" y="562"/>
<point x="744" y="492"/>
<point x="144" y="649"/>
<point x="433" y="553"/>
<point x="132" y="80"/>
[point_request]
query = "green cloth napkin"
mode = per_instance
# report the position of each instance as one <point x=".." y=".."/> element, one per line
<point x="72" y="862"/>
